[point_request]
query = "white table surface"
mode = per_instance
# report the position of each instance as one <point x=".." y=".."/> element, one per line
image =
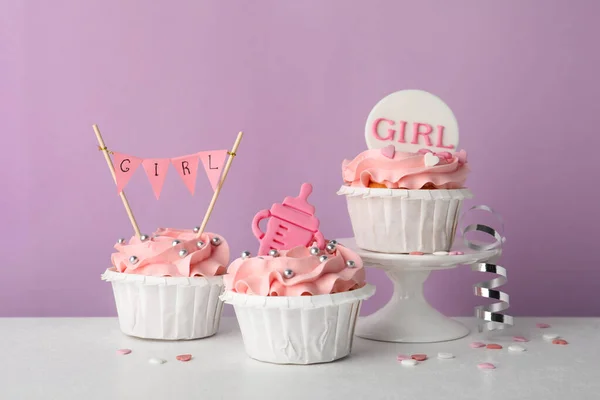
<point x="75" y="358"/>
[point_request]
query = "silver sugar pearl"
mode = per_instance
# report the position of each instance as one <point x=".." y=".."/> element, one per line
<point x="200" y="244"/>
<point x="196" y="229"/>
<point x="133" y="259"/>
<point x="330" y="248"/>
<point x="216" y="241"/>
<point x="350" y="264"/>
<point x="288" y="273"/>
<point x="274" y="253"/>
<point x="143" y="238"/>
<point x="246" y="254"/>
<point x="175" y="242"/>
<point x="314" y="251"/>
<point x="333" y="242"/>
<point x="121" y="241"/>
<point x="183" y="253"/>
<point x="323" y="258"/>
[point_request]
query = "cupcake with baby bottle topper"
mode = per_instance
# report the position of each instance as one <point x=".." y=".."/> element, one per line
<point x="298" y="300"/>
<point x="167" y="285"/>
<point x="404" y="194"/>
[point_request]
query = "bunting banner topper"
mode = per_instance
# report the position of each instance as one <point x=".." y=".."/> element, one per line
<point x="156" y="169"/>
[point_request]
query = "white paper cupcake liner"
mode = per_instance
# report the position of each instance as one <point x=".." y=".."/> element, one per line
<point x="298" y="330"/>
<point x="167" y="308"/>
<point x="401" y="221"/>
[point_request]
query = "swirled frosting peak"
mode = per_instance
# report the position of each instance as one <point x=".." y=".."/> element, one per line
<point x="173" y="252"/>
<point x="398" y="170"/>
<point x="297" y="272"/>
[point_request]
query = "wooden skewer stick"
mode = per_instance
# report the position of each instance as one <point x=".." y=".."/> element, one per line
<point x="112" y="171"/>
<point x="232" y="154"/>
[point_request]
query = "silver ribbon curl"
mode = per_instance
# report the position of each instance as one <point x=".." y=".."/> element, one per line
<point x="492" y="314"/>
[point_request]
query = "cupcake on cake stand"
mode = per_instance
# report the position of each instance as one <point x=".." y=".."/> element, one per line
<point x="404" y="197"/>
<point x="408" y="317"/>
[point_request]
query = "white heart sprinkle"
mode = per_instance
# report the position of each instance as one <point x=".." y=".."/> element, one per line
<point x="516" y="348"/>
<point x="409" y="362"/>
<point x="440" y="253"/>
<point x="445" y="356"/>
<point x="550" y="336"/>
<point x="157" y="361"/>
<point x="431" y="160"/>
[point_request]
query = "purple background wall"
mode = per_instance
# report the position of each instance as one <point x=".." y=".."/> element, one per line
<point x="167" y="78"/>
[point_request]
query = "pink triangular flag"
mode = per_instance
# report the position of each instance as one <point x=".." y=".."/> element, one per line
<point x="156" y="170"/>
<point x="125" y="165"/>
<point x="187" y="168"/>
<point x="213" y="162"/>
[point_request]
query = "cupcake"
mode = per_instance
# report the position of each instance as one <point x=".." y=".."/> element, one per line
<point x="298" y="306"/>
<point x="401" y="202"/>
<point x="167" y="286"/>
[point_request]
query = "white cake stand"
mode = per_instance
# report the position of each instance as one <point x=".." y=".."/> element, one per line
<point x="408" y="317"/>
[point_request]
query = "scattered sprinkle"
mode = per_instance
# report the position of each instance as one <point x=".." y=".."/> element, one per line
<point x="419" y="357"/>
<point x="550" y="336"/>
<point x="516" y="348"/>
<point x="542" y="326"/>
<point x="440" y="253"/>
<point x="403" y="357"/>
<point x="157" y="361"/>
<point x="123" y="351"/>
<point x="476" y="345"/>
<point x="494" y="346"/>
<point x="520" y="339"/>
<point x="456" y="253"/>
<point x="184" y="357"/>
<point x="416" y="253"/>
<point x="445" y="356"/>
<point x="486" y="366"/>
<point x="409" y="362"/>
<point x="560" y="341"/>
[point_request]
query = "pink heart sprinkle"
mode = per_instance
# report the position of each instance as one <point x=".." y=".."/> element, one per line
<point x="520" y="339"/>
<point x="388" y="151"/>
<point x="462" y="156"/>
<point x="123" y="351"/>
<point x="444" y="154"/>
<point x="456" y="253"/>
<point x="424" y="151"/>
<point x="419" y="357"/>
<point x="184" y="357"/>
<point x="542" y="325"/>
<point x="476" y="345"/>
<point x="486" y="366"/>
<point x="560" y="341"/>
<point x="403" y="357"/>
<point x="494" y="346"/>
<point x="416" y="253"/>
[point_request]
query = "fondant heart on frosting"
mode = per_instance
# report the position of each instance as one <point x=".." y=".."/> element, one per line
<point x="388" y="151"/>
<point x="431" y="160"/>
<point x="462" y="156"/>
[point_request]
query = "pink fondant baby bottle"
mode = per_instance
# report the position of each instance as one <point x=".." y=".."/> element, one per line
<point x="291" y="224"/>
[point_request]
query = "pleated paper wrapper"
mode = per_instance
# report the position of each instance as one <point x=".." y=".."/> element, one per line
<point x="298" y="330"/>
<point x="402" y="221"/>
<point x="167" y="308"/>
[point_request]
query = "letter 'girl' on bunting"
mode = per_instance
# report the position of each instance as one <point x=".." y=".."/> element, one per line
<point x="156" y="169"/>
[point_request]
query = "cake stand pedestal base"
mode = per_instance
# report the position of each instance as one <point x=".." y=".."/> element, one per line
<point x="408" y="317"/>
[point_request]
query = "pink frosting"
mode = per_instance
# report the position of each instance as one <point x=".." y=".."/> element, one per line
<point x="406" y="170"/>
<point x="264" y="276"/>
<point x="158" y="257"/>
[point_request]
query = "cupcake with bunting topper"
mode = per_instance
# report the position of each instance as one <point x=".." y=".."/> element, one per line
<point x="404" y="194"/>
<point x="167" y="285"/>
<point x="297" y="302"/>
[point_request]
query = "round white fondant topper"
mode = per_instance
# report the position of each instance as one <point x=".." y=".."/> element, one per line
<point x="412" y="120"/>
